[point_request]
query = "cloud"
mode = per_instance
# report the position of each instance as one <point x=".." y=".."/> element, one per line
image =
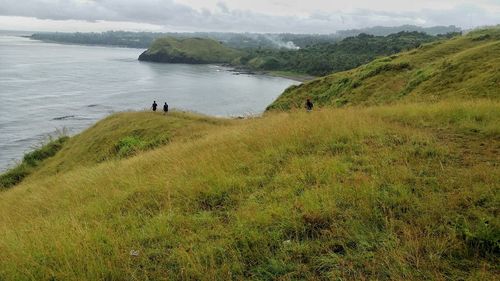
<point x="173" y="15"/>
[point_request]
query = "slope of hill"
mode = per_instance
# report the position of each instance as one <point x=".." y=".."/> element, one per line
<point x="463" y="67"/>
<point x="390" y="193"/>
<point x="189" y="50"/>
<point x="117" y="137"/>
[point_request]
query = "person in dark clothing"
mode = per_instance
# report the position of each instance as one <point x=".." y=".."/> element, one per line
<point x="309" y="105"/>
<point x="154" y="106"/>
<point x="165" y="108"/>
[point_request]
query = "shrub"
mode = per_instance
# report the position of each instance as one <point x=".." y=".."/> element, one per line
<point x="386" y="68"/>
<point x="418" y="78"/>
<point x="30" y="161"/>
<point x="128" y="146"/>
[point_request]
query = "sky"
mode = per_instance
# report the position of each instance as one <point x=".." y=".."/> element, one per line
<point x="273" y="16"/>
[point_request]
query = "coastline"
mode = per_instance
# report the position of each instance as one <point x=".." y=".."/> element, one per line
<point x="291" y="75"/>
<point x="299" y="77"/>
<point x="80" y="44"/>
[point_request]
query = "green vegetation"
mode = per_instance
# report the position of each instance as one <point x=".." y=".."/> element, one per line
<point x="189" y="50"/>
<point x="108" y="38"/>
<point x="463" y="67"/>
<point x="30" y="162"/>
<point x="386" y="30"/>
<point x="233" y="40"/>
<point x="402" y="191"/>
<point x="396" y="192"/>
<point x="325" y="58"/>
<point x="313" y="60"/>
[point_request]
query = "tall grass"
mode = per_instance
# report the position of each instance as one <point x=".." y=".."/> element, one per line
<point x="404" y="192"/>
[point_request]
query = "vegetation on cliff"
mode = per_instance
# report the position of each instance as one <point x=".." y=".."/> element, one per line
<point x="31" y="161"/>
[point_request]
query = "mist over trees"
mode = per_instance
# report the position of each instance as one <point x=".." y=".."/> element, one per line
<point x="324" y="58"/>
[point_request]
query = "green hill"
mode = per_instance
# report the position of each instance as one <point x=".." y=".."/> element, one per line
<point x="397" y="192"/>
<point x="401" y="191"/>
<point x="463" y="67"/>
<point x="326" y="58"/>
<point x="189" y="50"/>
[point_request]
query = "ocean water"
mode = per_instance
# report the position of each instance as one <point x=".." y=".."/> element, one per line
<point x="46" y="88"/>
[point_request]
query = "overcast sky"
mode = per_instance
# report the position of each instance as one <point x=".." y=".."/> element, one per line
<point x="306" y="16"/>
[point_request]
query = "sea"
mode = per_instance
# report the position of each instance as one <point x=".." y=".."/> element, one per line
<point x="47" y="89"/>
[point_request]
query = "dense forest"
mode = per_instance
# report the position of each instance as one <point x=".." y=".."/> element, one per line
<point x="387" y="30"/>
<point x="324" y="58"/>
<point x="233" y="40"/>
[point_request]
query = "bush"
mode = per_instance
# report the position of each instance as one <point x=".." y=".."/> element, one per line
<point x="44" y="152"/>
<point x="14" y="175"/>
<point x="128" y="146"/>
<point x="30" y="161"/>
<point x="386" y="68"/>
<point x="418" y="78"/>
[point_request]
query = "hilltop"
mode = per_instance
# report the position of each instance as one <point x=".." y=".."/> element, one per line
<point x="407" y="190"/>
<point x="189" y="50"/>
<point x="462" y="67"/>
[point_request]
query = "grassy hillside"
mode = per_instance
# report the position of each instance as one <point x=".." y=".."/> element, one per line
<point x="126" y="134"/>
<point x="408" y="190"/>
<point x="189" y="50"/>
<point x="401" y="192"/>
<point x="463" y="67"/>
<point x="117" y="137"/>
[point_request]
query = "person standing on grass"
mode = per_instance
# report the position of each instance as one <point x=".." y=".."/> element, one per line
<point x="165" y="108"/>
<point x="309" y="105"/>
<point x="154" y="106"/>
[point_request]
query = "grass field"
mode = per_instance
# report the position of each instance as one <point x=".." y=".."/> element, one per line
<point x="397" y="192"/>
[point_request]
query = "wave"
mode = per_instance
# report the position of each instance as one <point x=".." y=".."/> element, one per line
<point x="71" y="117"/>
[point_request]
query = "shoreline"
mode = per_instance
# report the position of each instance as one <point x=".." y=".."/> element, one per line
<point x="299" y="77"/>
<point x="291" y="75"/>
<point x="80" y="44"/>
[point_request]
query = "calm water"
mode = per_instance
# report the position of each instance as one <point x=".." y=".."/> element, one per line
<point x="47" y="87"/>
